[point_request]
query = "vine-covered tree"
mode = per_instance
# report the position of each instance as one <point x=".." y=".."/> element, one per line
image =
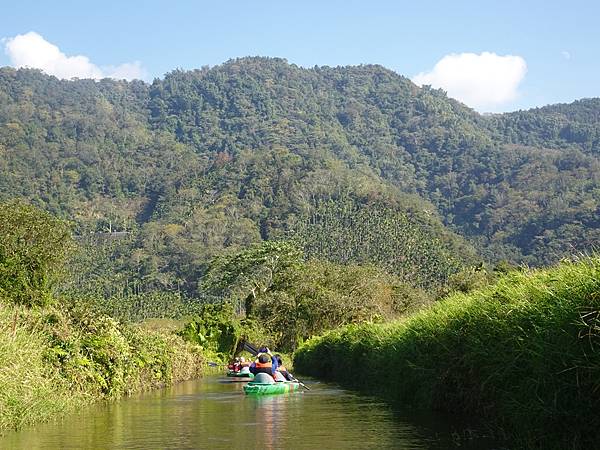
<point x="247" y="275"/>
<point x="33" y="247"/>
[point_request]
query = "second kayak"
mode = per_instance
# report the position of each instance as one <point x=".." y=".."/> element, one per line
<point x="240" y="374"/>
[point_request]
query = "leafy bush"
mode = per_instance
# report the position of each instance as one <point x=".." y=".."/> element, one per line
<point x="215" y="328"/>
<point x="290" y="299"/>
<point x="321" y="295"/>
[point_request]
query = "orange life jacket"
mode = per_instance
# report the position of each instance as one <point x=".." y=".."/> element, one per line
<point x="267" y="365"/>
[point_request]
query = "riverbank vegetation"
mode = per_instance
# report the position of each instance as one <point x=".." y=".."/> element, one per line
<point x="89" y="344"/>
<point x="54" y="359"/>
<point x="56" y="353"/>
<point x="524" y="354"/>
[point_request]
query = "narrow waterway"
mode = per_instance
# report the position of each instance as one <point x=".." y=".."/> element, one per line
<point x="213" y="413"/>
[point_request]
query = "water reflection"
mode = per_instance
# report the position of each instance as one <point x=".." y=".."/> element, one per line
<point x="213" y="414"/>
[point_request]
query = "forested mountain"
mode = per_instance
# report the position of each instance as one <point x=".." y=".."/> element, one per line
<point x="561" y="125"/>
<point x="167" y="175"/>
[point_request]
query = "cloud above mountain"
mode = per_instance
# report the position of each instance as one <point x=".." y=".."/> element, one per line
<point x="32" y="50"/>
<point x="485" y="81"/>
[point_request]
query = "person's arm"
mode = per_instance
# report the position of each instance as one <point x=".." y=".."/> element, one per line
<point x="253" y="368"/>
<point x="288" y="376"/>
<point x="273" y="362"/>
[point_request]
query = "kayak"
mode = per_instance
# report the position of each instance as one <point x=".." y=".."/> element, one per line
<point x="281" y="387"/>
<point x="232" y="373"/>
<point x="239" y="379"/>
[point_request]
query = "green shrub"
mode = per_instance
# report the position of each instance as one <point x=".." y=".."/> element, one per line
<point x="321" y="295"/>
<point x="216" y="328"/>
<point x="30" y="389"/>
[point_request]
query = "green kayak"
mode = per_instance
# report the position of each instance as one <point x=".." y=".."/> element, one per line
<point x="281" y="387"/>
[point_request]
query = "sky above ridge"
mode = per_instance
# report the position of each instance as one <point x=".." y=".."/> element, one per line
<point x="492" y="55"/>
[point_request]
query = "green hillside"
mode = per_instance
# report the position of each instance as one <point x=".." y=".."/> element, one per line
<point x="160" y="178"/>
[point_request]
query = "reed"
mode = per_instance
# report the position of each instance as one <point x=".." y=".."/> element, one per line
<point x="524" y="354"/>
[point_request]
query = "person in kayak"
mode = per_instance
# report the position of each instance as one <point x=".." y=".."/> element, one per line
<point x="265" y="363"/>
<point x="234" y="365"/>
<point x="287" y="376"/>
<point x="243" y="362"/>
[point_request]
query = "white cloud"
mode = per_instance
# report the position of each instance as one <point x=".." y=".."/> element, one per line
<point x="565" y="54"/>
<point x="127" y="71"/>
<point x="484" y="82"/>
<point x="32" y="50"/>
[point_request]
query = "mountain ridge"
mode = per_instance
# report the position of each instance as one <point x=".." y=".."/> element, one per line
<point x="237" y="152"/>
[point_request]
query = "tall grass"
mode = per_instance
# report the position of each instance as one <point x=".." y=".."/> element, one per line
<point x="30" y="389"/>
<point x="54" y="359"/>
<point x="523" y="353"/>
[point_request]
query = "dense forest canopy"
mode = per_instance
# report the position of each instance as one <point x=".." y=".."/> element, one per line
<point x="160" y="178"/>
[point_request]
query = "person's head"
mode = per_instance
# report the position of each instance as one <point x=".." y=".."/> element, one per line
<point x="263" y="358"/>
<point x="279" y="361"/>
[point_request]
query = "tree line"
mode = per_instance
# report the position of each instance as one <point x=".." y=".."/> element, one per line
<point x="159" y="179"/>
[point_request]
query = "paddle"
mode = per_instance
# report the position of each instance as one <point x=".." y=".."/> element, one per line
<point x="301" y="384"/>
<point x="214" y="364"/>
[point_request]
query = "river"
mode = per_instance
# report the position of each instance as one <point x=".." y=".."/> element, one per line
<point x="213" y="413"/>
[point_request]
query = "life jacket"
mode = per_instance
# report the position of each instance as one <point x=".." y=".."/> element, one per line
<point x="262" y="368"/>
<point x="267" y="365"/>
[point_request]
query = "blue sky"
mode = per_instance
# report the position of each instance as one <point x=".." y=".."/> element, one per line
<point x="555" y="45"/>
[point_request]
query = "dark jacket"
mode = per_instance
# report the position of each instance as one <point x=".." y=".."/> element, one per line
<point x="268" y="368"/>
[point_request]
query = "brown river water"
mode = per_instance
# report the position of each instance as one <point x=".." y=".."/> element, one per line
<point x="214" y="413"/>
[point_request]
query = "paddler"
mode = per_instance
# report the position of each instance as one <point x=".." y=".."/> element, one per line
<point x="283" y="371"/>
<point x="265" y="363"/>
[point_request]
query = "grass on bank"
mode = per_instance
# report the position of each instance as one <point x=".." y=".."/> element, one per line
<point x="54" y="359"/>
<point x="523" y="353"/>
